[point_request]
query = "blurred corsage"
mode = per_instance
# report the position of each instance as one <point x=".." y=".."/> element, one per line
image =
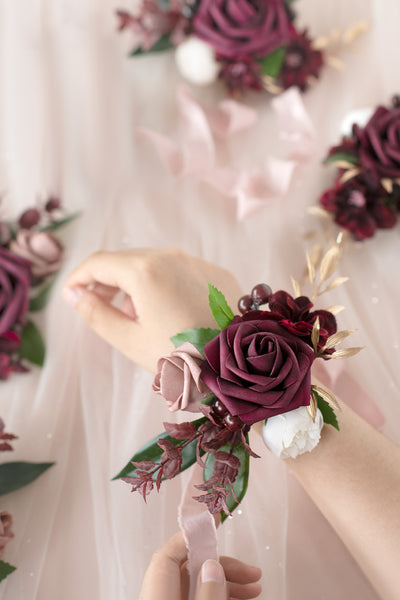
<point x="255" y="368"/>
<point x="30" y="256"/>
<point x="249" y="44"/>
<point x="13" y="476"/>
<point x="366" y="192"/>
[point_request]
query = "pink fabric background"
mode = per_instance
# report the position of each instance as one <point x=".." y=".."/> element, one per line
<point x="69" y="106"/>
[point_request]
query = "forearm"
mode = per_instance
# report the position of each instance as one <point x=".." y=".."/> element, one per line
<point x="353" y="476"/>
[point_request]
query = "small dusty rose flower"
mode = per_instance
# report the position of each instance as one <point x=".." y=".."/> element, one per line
<point x="178" y="379"/>
<point x="42" y="249"/>
<point x="15" y="280"/>
<point x="6" y="533"/>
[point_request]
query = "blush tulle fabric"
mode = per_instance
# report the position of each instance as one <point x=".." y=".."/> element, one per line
<point x="70" y="106"/>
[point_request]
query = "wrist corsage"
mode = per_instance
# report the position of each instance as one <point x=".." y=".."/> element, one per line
<point x="366" y="193"/>
<point x="249" y="44"/>
<point x="30" y="256"/>
<point x="254" y="368"/>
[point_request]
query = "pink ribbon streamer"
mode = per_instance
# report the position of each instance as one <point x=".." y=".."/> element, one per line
<point x="198" y="528"/>
<point x="195" y="155"/>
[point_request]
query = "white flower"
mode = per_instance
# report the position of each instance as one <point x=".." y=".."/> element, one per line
<point x="292" y="433"/>
<point x="196" y="61"/>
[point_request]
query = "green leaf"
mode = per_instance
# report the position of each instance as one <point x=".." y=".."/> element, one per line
<point x="241" y="482"/>
<point x="150" y="451"/>
<point x="222" y="313"/>
<point x="198" y="337"/>
<point x="272" y="63"/>
<point x="39" y="301"/>
<point x="15" y="475"/>
<point x="164" y="43"/>
<point x="341" y="156"/>
<point x="327" y="411"/>
<point x="5" y="569"/>
<point x="61" y="223"/>
<point x="32" y="347"/>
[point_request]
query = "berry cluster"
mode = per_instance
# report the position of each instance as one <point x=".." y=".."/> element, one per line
<point x="259" y="295"/>
<point x="223" y="418"/>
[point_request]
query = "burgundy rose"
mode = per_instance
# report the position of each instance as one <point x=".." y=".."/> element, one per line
<point x="241" y="74"/>
<point x="15" y="281"/>
<point x="178" y="379"/>
<point x="378" y="143"/>
<point x="242" y="28"/>
<point x="301" y="64"/>
<point x="258" y="369"/>
<point x="6" y="533"/>
<point x="42" y="249"/>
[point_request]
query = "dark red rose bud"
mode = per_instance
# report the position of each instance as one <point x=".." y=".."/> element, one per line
<point x="29" y="218"/>
<point x="261" y="293"/>
<point x="219" y="409"/>
<point x="245" y="304"/>
<point x="52" y="204"/>
<point x="233" y="423"/>
<point x="396" y="101"/>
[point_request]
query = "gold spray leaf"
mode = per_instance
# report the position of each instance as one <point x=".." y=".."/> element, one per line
<point x="355" y="31"/>
<point x="333" y="284"/>
<point x="336" y="309"/>
<point x="327" y="395"/>
<point x="340" y="237"/>
<point x="335" y="62"/>
<point x="320" y="43"/>
<point x="349" y="175"/>
<point x="312" y="408"/>
<point x="346" y="352"/>
<point x="311" y="269"/>
<point x="315" y="334"/>
<point x="317" y="211"/>
<point x="387" y="184"/>
<point x="296" y="287"/>
<point x="316" y="255"/>
<point x="342" y="164"/>
<point x="329" y="263"/>
<point x="337" y="338"/>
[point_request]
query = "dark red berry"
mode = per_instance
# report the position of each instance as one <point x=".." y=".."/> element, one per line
<point x="245" y="304"/>
<point x="52" y="204"/>
<point x="396" y="101"/>
<point x="29" y="218"/>
<point x="219" y="408"/>
<point x="233" y="423"/>
<point x="260" y="293"/>
<point x="5" y="234"/>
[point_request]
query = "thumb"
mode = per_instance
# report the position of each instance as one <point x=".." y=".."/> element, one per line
<point x="212" y="583"/>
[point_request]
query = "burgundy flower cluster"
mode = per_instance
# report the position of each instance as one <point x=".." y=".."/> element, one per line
<point x="370" y="199"/>
<point x="29" y="253"/>
<point x="244" y="34"/>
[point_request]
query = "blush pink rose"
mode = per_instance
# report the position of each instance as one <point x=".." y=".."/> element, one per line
<point x="42" y="249"/>
<point x="178" y="379"/>
<point x="6" y="533"/>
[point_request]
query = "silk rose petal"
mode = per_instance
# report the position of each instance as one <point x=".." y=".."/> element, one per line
<point x="6" y="533"/>
<point x="15" y="281"/>
<point x="178" y="379"/>
<point x="41" y="249"/>
<point x="258" y="369"/>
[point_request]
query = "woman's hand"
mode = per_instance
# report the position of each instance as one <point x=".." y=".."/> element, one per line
<point x="163" y="293"/>
<point x="166" y="576"/>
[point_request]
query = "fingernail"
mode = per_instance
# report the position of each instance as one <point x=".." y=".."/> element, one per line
<point x="71" y="295"/>
<point x="212" y="571"/>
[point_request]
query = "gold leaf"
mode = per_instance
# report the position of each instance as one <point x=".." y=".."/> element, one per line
<point x="333" y="284"/>
<point x="315" y="334"/>
<point x="329" y="263"/>
<point x="337" y="338"/>
<point x="296" y="287"/>
<point x="347" y="352"/>
<point x="316" y="255"/>
<point x="349" y="175"/>
<point x="336" y="309"/>
<point x="342" y="164"/>
<point x="317" y="211"/>
<point x="312" y="408"/>
<point x="311" y="269"/>
<point x="355" y="31"/>
<point x="335" y="62"/>
<point x="387" y="184"/>
<point x="340" y="237"/>
<point x="320" y="43"/>
<point x="327" y="395"/>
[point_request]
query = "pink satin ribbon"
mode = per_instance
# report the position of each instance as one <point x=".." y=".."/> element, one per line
<point x="195" y="153"/>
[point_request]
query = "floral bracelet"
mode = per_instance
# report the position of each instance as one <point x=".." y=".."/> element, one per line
<point x="255" y="368"/>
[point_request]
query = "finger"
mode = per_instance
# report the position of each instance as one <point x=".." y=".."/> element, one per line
<point x="212" y="584"/>
<point x="244" y="592"/>
<point x="163" y="576"/>
<point x="238" y="572"/>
